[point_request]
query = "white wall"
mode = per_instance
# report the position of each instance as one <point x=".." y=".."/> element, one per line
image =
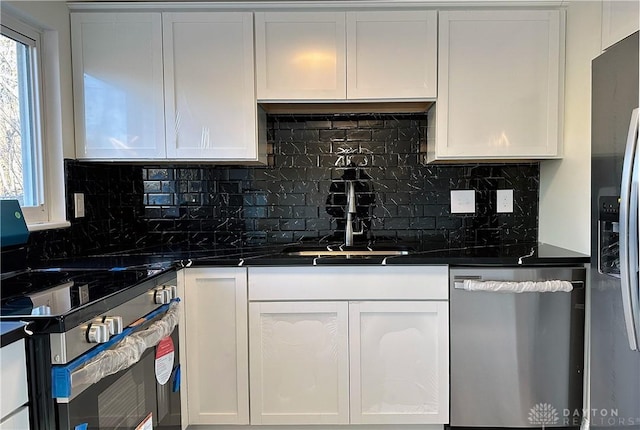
<point x="54" y="16"/>
<point x="565" y="190"/>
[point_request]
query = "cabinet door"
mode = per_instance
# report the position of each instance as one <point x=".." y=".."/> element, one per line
<point x="500" y="84"/>
<point x="300" y="55"/>
<point x="209" y="85"/>
<point x="399" y="366"/>
<point x="216" y="343"/>
<point x="13" y="390"/>
<point x="619" y="20"/>
<point x="299" y="362"/>
<point x="391" y="54"/>
<point x="117" y="85"/>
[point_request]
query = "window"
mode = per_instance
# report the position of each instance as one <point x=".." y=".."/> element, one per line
<point x="29" y="171"/>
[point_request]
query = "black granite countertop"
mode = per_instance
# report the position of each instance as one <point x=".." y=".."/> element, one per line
<point x="513" y="255"/>
<point x="274" y="255"/>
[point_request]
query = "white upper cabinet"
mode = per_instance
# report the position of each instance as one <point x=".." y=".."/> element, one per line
<point x="177" y="86"/>
<point x="300" y="55"/>
<point x="377" y="55"/>
<point x="391" y="55"/>
<point x="209" y="85"/>
<point x="500" y="84"/>
<point x="619" y="19"/>
<point x="117" y="85"/>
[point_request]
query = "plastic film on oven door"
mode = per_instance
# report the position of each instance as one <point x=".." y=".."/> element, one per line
<point x="120" y="353"/>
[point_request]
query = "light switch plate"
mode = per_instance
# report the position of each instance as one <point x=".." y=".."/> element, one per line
<point x="504" y="201"/>
<point x="463" y="201"/>
<point x="78" y="204"/>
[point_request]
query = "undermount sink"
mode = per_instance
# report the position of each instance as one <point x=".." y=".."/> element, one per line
<point x="351" y="251"/>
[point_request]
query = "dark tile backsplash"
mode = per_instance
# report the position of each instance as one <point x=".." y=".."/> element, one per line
<point x="300" y="196"/>
<point x="113" y="208"/>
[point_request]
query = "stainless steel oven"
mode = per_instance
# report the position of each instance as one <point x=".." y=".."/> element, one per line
<point x="104" y="348"/>
<point x="129" y="382"/>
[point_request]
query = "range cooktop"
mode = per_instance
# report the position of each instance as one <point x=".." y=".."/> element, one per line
<point x="59" y="292"/>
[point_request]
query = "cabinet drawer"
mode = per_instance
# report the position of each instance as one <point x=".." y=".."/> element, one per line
<point x="348" y="283"/>
<point x="13" y="390"/>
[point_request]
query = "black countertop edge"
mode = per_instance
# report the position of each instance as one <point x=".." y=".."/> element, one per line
<point x="543" y="254"/>
<point x="390" y="261"/>
<point x="11" y="331"/>
<point x="522" y="255"/>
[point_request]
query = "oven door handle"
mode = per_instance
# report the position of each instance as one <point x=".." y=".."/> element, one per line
<point x="104" y="360"/>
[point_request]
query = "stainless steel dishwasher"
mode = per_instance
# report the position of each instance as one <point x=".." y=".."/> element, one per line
<point x="516" y="358"/>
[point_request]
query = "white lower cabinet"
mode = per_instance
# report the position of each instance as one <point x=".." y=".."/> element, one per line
<point x="399" y="356"/>
<point x="324" y="345"/>
<point x="216" y="345"/>
<point x="14" y="410"/>
<point x="350" y="353"/>
<point x="299" y="362"/>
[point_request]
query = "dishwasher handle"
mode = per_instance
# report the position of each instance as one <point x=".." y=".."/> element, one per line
<point x="503" y="286"/>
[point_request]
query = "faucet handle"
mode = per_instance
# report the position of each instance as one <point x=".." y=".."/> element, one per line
<point x="361" y="231"/>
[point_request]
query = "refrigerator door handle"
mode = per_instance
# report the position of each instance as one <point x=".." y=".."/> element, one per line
<point x="629" y="233"/>
<point x="633" y="238"/>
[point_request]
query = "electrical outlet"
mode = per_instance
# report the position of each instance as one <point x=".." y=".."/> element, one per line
<point x="504" y="201"/>
<point x="78" y="204"/>
<point x="463" y="201"/>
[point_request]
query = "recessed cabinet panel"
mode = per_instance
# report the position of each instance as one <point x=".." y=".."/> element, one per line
<point x="209" y="85"/>
<point x="300" y="55"/>
<point x="216" y="343"/>
<point x="299" y="363"/>
<point x="391" y="54"/>
<point x="117" y="77"/>
<point x="399" y="362"/>
<point x="13" y="390"/>
<point x="500" y="84"/>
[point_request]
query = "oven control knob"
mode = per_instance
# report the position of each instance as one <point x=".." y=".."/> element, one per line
<point x="97" y="333"/>
<point x="173" y="290"/>
<point x="162" y="296"/>
<point x="114" y="325"/>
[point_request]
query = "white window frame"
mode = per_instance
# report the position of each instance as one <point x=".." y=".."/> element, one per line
<point x="48" y="121"/>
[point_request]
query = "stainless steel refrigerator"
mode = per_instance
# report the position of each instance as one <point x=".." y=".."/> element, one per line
<point x="614" y="362"/>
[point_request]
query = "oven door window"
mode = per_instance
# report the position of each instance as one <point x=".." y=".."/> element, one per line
<point x="124" y="403"/>
<point x="124" y="400"/>
<point x="121" y="401"/>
